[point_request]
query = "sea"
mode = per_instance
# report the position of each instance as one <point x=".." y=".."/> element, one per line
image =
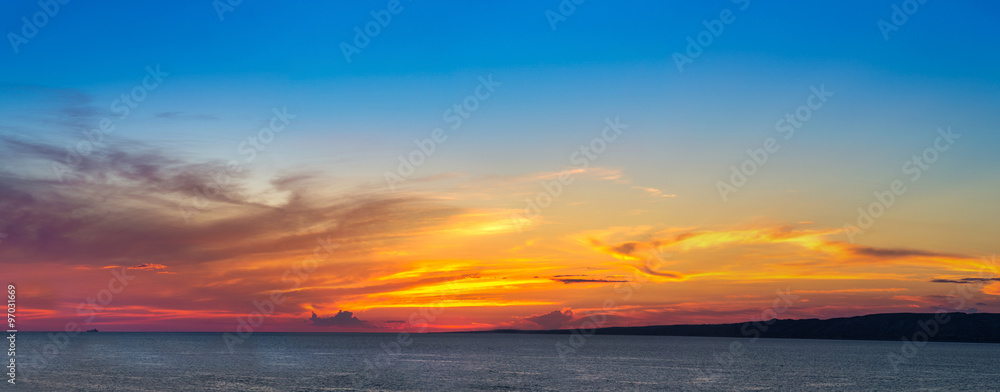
<point x="106" y="361"/>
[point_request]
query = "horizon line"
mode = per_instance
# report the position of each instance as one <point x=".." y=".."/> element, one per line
<point x="521" y="330"/>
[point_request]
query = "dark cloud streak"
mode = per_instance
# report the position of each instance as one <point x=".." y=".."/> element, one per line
<point x="965" y="280"/>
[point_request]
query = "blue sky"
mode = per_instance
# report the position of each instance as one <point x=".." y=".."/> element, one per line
<point x="604" y="59"/>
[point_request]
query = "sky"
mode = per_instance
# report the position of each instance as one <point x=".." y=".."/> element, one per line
<point x="379" y="165"/>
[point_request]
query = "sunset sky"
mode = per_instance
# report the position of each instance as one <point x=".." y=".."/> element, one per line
<point x="251" y="156"/>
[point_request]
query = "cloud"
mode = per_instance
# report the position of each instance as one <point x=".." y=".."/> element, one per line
<point x="965" y="280"/>
<point x="654" y="192"/>
<point x="809" y="253"/>
<point x="713" y="239"/>
<point x="895" y="253"/>
<point x="666" y="274"/>
<point x="567" y="279"/>
<point x="625" y="249"/>
<point x="599" y="173"/>
<point x="148" y="266"/>
<point x="851" y="291"/>
<point x="343" y="318"/>
<point x="127" y="206"/>
<point x="185" y="116"/>
<point x="552" y="320"/>
<point x="124" y="205"/>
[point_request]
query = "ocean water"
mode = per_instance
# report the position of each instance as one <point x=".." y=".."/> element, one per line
<point x="493" y="362"/>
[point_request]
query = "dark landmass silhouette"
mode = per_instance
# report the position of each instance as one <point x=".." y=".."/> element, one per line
<point x="936" y="327"/>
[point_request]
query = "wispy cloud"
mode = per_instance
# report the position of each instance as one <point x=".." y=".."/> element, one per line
<point x="654" y="192"/>
<point x="823" y="253"/>
<point x="185" y="116"/>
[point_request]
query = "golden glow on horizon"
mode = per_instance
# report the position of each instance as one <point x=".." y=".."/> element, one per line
<point x="497" y="268"/>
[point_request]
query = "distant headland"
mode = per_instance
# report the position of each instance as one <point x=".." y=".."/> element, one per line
<point x="935" y="327"/>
